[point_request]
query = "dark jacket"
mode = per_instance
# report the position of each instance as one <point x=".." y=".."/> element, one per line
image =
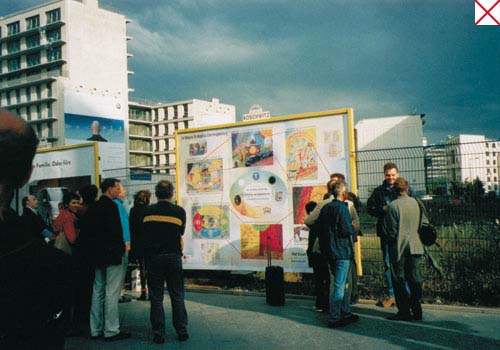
<point x="382" y="196"/>
<point x="336" y="231"/>
<point x="33" y="288"/>
<point x="102" y="233"/>
<point x="137" y="231"/>
<point x="164" y="224"/>
<point x="34" y="222"/>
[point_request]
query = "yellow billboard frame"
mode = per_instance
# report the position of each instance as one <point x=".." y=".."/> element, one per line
<point x="350" y="137"/>
<point x="95" y="145"/>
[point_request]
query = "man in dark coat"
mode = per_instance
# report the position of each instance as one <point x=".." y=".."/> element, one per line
<point x="33" y="220"/>
<point x="103" y="225"/>
<point x="33" y="276"/>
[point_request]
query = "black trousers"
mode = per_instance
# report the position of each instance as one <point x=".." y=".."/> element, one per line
<point x="321" y="281"/>
<point x="406" y="271"/>
<point x="166" y="268"/>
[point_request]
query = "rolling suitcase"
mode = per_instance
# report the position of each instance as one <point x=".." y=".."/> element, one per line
<point x="275" y="284"/>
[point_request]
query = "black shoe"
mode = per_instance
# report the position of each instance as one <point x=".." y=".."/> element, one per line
<point x="351" y="319"/>
<point x="119" y="336"/>
<point x="124" y="299"/>
<point x="96" y="337"/>
<point x="183" y="337"/>
<point x="399" y="317"/>
<point x="417" y="317"/>
<point x="143" y="297"/>
<point x="158" y="339"/>
<point x="337" y="324"/>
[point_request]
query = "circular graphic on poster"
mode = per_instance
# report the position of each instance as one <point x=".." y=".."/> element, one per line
<point x="210" y="222"/>
<point x="258" y="194"/>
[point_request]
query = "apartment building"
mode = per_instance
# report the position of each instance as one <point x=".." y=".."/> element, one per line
<point x="63" y="68"/>
<point x="152" y="128"/>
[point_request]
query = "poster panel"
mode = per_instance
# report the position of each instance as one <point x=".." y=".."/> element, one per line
<point x="58" y="170"/>
<point x="244" y="187"/>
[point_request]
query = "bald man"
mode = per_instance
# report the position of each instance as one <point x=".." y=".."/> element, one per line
<point x="96" y="133"/>
<point x="32" y="275"/>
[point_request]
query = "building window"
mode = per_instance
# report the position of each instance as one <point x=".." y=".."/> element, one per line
<point x="53" y="35"/>
<point x="38" y="92"/>
<point x="488" y="179"/>
<point x="33" y="41"/>
<point x="53" y="16"/>
<point x="487" y="154"/>
<point x="18" y="96"/>
<point x="28" y="113"/>
<point x="32" y="22"/>
<point x="54" y="54"/>
<point x="13" y="46"/>
<point x="49" y="90"/>
<point x="7" y="97"/>
<point x="49" y="110"/>
<point x="33" y="59"/>
<point x="13" y="28"/>
<point x="14" y="64"/>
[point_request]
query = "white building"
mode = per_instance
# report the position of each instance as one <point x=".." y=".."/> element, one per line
<point x="473" y="156"/>
<point x="395" y="139"/>
<point x="152" y="128"/>
<point x="63" y="61"/>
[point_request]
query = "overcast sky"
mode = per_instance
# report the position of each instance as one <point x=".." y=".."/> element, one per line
<point x="381" y="57"/>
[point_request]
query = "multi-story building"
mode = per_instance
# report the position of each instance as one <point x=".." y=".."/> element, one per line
<point x="474" y="156"/>
<point x="436" y="168"/>
<point x="397" y="139"/>
<point x="152" y="128"/>
<point x="62" y="61"/>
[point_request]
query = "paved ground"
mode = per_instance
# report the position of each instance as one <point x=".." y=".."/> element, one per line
<point x="222" y="321"/>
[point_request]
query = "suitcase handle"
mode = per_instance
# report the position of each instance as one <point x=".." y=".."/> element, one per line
<point x="268" y="251"/>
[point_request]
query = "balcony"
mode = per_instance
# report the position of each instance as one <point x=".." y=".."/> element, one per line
<point x="162" y="137"/>
<point x="42" y="120"/>
<point x="27" y="51"/>
<point x="32" y="102"/>
<point x="52" y="25"/>
<point x="138" y="136"/>
<point x="48" y="65"/>
<point x="27" y="81"/>
<point x="139" y="151"/>
<point x="167" y="151"/>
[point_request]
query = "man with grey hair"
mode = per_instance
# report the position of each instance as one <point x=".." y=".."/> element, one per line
<point x="163" y="225"/>
<point x="337" y="235"/>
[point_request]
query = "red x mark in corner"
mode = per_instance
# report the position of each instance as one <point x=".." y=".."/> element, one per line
<point x="487" y="12"/>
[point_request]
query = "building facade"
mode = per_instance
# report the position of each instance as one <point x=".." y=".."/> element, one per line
<point x="152" y="128"/>
<point x="61" y="61"/>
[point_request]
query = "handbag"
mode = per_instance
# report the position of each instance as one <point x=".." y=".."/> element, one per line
<point x="63" y="244"/>
<point x="426" y="231"/>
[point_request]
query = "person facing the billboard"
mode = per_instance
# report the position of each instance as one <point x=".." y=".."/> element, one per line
<point x="33" y="219"/>
<point x="96" y="133"/>
<point x="33" y="275"/>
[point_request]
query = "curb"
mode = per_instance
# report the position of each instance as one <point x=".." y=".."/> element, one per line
<point x="368" y="302"/>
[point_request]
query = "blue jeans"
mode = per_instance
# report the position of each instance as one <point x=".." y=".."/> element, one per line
<point x="166" y="268"/>
<point x="387" y="266"/>
<point x="340" y="300"/>
<point x="104" y="317"/>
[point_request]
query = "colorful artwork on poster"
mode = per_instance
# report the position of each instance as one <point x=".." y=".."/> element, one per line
<point x="210" y="222"/>
<point x="252" y="148"/>
<point x="210" y="252"/>
<point x="198" y="148"/>
<point x="204" y="176"/>
<point x="301" y="154"/>
<point x="257" y="240"/>
<point x="303" y="195"/>
<point x="258" y="194"/>
<point x="300" y="235"/>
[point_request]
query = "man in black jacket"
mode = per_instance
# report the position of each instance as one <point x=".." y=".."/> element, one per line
<point x="102" y="223"/>
<point x="33" y="220"/>
<point x="377" y="204"/>
<point x="164" y="224"/>
<point x="33" y="276"/>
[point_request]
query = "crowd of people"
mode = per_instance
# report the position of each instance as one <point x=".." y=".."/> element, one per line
<point x="73" y="271"/>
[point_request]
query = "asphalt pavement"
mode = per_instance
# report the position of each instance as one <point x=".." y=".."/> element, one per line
<point x="226" y="321"/>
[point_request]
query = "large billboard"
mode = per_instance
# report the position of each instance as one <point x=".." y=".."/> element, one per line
<point x="57" y="170"/>
<point x="93" y="117"/>
<point x="244" y="187"/>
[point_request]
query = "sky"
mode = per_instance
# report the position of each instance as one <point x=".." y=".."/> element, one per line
<point x="380" y="57"/>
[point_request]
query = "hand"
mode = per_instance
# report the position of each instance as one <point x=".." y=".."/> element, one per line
<point x="384" y="207"/>
<point x="127" y="246"/>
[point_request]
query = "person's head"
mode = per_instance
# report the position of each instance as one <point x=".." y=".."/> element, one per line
<point x="88" y="194"/>
<point x="123" y="192"/>
<point x="390" y="173"/>
<point x="401" y="186"/>
<point x="339" y="191"/>
<point x="30" y="201"/>
<point x="142" y="197"/>
<point x="96" y="129"/>
<point x="337" y="177"/>
<point x="18" y="143"/>
<point x="164" y="190"/>
<point x="71" y="201"/>
<point x="310" y="206"/>
<point x="110" y="187"/>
